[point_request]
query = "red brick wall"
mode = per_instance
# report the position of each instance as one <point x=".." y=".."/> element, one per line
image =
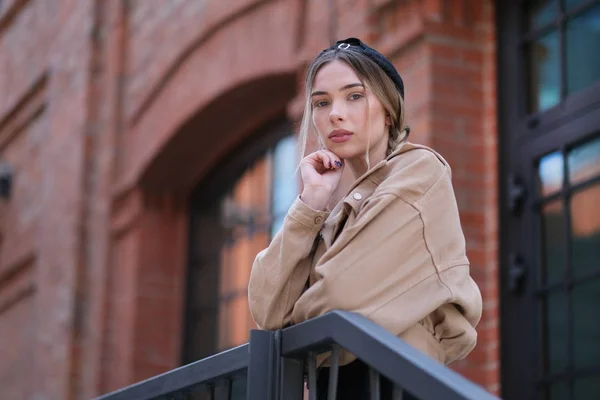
<point x="44" y="78"/>
<point x="111" y="112"/>
<point x="463" y="128"/>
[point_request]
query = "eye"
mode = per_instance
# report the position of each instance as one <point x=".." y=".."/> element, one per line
<point x="321" y="103"/>
<point x="356" y="96"/>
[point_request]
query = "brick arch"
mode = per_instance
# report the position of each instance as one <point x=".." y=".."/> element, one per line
<point x="211" y="134"/>
<point x="229" y="75"/>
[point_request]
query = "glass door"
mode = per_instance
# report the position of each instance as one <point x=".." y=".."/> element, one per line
<point x="549" y="135"/>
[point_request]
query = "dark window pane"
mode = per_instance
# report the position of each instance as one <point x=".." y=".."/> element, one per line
<point x="556" y="332"/>
<point x="571" y="4"/>
<point x="586" y="302"/>
<point x="559" y="391"/>
<point x="587" y="388"/>
<point x="553" y="242"/>
<point x="584" y="161"/>
<point x="550" y="173"/>
<point x="540" y="13"/>
<point x="221" y="391"/>
<point x="585" y="231"/>
<point x="544" y="72"/>
<point x="583" y="57"/>
<point x="202" y="342"/>
<point x="229" y="225"/>
<point x="199" y="392"/>
<point x="238" y="388"/>
<point x="207" y="236"/>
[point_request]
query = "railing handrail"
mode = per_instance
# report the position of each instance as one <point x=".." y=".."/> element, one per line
<point x="205" y="371"/>
<point x="420" y="375"/>
<point x="274" y="363"/>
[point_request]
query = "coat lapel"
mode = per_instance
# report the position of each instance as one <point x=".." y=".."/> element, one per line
<point x="365" y="187"/>
<point x="331" y="224"/>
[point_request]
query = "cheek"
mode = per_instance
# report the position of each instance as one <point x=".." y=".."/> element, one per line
<point x="358" y="113"/>
<point x="319" y="120"/>
<point x="377" y="115"/>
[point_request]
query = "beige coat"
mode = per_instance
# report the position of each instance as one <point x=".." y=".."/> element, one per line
<point x="392" y="250"/>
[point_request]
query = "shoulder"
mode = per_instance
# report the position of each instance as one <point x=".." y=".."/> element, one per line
<point x="412" y="171"/>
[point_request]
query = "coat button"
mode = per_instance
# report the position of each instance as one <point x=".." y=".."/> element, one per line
<point x="318" y="220"/>
<point x="357" y="196"/>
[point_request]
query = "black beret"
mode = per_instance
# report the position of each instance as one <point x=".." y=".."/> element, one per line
<point x="374" y="56"/>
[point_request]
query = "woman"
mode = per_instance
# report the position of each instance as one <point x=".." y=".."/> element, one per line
<point x="392" y="249"/>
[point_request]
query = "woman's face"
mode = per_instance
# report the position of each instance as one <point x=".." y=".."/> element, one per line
<point x="342" y="115"/>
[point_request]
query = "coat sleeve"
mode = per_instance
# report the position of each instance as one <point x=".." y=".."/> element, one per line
<point x="280" y="272"/>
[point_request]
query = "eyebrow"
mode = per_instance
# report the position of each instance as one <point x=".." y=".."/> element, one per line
<point x="349" y="86"/>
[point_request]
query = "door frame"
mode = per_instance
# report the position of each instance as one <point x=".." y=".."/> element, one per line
<point x="523" y="138"/>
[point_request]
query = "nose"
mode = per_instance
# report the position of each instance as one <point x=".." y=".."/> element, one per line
<point x="337" y="113"/>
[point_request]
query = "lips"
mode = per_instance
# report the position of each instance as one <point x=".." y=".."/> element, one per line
<point x="339" y="132"/>
<point x="340" y="135"/>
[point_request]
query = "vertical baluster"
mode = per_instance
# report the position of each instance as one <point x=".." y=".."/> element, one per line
<point x="374" y="384"/>
<point x="398" y="393"/>
<point x="333" y="373"/>
<point x="312" y="376"/>
<point x="228" y="385"/>
<point x="292" y="379"/>
<point x="211" y="391"/>
<point x="179" y="396"/>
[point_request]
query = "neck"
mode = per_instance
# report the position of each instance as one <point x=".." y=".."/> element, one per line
<point x="358" y="165"/>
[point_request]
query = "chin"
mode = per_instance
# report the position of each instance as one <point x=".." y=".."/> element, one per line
<point x="341" y="153"/>
<point x="345" y="151"/>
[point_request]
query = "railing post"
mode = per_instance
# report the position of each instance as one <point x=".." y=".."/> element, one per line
<point x="263" y="368"/>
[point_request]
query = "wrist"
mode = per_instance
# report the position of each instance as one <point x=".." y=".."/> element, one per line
<point x="317" y="200"/>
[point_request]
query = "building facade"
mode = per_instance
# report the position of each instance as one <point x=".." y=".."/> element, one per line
<point x="148" y="152"/>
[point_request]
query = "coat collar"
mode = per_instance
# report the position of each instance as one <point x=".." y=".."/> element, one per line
<point x="402" y="148"/>
<point x="355" y="195"/>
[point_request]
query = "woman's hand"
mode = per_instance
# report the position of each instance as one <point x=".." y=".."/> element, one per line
<point x="321" y="173"/>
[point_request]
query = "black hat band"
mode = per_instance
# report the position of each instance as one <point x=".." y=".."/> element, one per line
<point x="374" y="56"/>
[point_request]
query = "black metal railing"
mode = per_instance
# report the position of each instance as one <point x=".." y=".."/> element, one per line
<point x="273" y="364"/>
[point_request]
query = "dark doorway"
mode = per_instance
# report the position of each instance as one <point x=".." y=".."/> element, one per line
<point x="549" y="102"/>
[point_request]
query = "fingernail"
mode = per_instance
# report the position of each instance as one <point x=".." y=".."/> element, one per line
<point x="329" y="165"/>
<point x="338" y="164"/>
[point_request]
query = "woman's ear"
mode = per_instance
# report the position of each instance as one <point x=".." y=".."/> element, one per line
<point x="388" y="120"/>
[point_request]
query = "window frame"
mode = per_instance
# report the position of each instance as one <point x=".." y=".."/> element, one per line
<point x="213" y="188"/>
<point x="523" y="139"/>
<point x="535" y="123"/>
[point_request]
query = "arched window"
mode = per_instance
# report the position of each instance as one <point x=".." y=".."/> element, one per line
<point x="234" y="214"/>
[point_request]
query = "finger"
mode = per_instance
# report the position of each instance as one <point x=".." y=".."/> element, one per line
<point x="325" y="159"/>
<point x="316" y="160"/>
<point x="336" y="162"/>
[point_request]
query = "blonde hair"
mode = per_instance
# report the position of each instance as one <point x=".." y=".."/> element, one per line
<point x="370" y="75"/>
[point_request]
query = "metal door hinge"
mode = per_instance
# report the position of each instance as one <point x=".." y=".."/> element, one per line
<point x="516" y="273"/>
<point x="516" y="194"/>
